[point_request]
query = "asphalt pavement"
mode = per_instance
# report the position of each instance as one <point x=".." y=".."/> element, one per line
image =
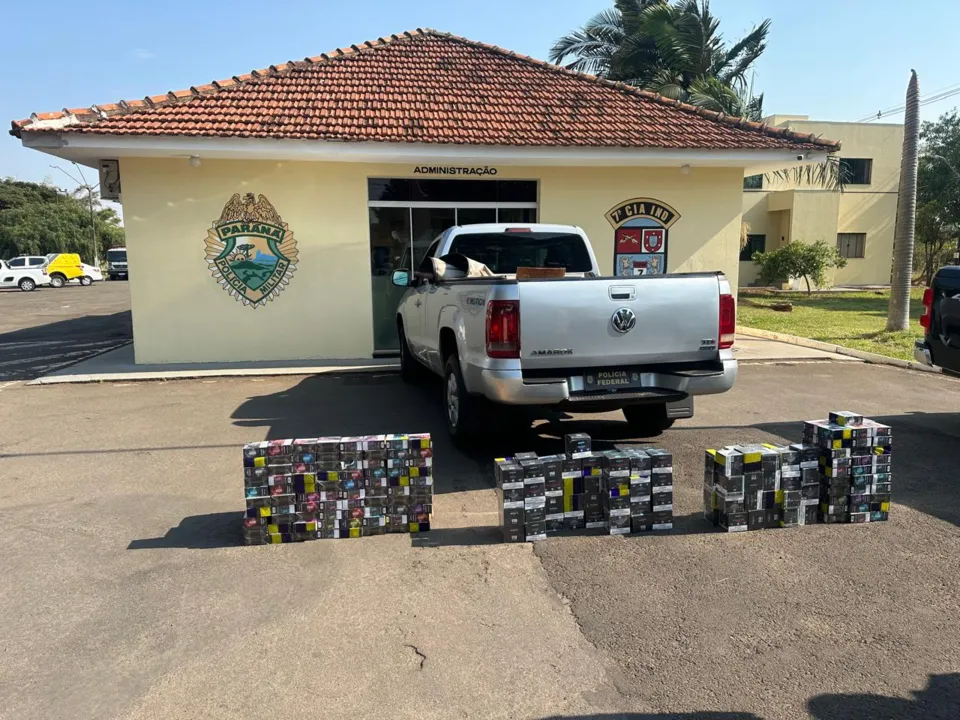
<point x="128" y="595"/>
<point x="50" y="328"/>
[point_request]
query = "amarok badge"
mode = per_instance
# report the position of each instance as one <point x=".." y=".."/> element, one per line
<point x="250" y="250"/>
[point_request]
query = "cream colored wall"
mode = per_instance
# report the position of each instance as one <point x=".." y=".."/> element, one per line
<point x="705" y="238"/>
<point x="869" y="209"/>
<point x="180" y="314"/>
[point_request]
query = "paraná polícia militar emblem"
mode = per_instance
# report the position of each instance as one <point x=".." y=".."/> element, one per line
<point x="250" y="251"/>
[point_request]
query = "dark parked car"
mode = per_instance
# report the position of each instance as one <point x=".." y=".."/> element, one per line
<point x="940" y="346"/>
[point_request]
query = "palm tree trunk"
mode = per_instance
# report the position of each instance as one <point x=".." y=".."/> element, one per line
<point x="898" y="314"/>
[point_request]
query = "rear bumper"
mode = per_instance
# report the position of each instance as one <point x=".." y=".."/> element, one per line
<point x="509" y="387"/>
<point x="921" y="353"/>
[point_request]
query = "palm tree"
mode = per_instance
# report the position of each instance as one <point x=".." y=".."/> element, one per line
<point x="898" y="314"/>
<point x="672" y="48"/>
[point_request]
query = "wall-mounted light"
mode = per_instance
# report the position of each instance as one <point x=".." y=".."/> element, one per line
<point x="684" y="169"/>
<point x="194" y="161"/>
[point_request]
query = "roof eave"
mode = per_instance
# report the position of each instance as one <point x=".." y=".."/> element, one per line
<point x="89" y="147"/>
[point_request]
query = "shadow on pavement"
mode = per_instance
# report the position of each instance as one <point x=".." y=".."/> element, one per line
<point x="198" y="532"/>
<point x="940" y="700"/>
<point x="374" y="403"/>
<point x="452" y="537"/>
<point x="926" y="455"/>
<point x="31" y="352"/>
<point x="660" y="716"/>
<point x="926" y="458"/>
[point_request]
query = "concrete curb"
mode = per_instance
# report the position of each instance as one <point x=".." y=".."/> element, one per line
<point x="866" y="357"/>
<point x="173" y="375"/>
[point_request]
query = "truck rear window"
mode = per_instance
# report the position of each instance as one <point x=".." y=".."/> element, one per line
<point x="504" y="252"/>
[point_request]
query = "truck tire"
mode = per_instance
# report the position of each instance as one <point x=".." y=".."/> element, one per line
<point x="648" y="420"/>
<point x="27" y="285"/>
<point x="462" y="411"/>
<point x="57" y="280"/>
<point x="411" y="371"/>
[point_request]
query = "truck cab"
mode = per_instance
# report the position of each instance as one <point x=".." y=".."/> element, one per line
<point x="117" y="264"/>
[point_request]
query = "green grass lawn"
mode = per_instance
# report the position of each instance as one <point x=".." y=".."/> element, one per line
<point x="855" y="320"/>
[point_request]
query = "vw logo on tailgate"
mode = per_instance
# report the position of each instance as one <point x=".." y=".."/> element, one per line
<point x="624" y="320"/>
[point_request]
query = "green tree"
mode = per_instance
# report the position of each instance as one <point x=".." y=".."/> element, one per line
<point x="672" y="48"/>
<point x="898" y="313"/>
<point x="799" y="260"/>
<point x="37" y="219"/>
<point x="938" y="188"/>
<point x="935" y="238"/>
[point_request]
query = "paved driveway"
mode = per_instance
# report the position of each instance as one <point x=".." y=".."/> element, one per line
<point x="126" y="593"/>
<point x="46" y="329"/>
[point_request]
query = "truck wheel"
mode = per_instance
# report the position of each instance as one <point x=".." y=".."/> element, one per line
<point x="411" y="371"/>
<point x="57" y="281"/>
<point x="86" y="280"/>
<point x="648" y="420"/>
<point x="460" y="408"/>
<point x="27" y="285"/>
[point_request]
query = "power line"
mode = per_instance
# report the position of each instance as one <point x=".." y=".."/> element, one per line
<point x="933" y="97"/>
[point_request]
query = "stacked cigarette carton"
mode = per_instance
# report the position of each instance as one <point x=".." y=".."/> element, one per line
<point x="753" y="487"/>
<point x="840" y="473"/>
<point x="854" y="466"/>
<point x="619" y="492"/>
<point x="337" y="487"/>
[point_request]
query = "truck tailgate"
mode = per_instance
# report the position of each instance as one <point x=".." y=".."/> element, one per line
<point x="569" y="323"/>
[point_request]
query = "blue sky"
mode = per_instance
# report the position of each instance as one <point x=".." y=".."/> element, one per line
<point x="832" y="60"/>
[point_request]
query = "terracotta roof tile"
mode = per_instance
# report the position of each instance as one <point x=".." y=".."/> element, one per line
<point x="427" y="87"/>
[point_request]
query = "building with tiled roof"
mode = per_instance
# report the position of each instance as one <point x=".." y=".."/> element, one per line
<point x="363" y="156"/>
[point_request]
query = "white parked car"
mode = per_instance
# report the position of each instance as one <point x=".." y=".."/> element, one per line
<point x="91" y="274"/>
<point x="25" y="278"/>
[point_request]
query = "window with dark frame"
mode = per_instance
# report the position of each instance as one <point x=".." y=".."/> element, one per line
<point x="856" y="171"/>
<point x="852" y="245"/>
<point x="753" y="182"/>
<point x="755" y="243"/>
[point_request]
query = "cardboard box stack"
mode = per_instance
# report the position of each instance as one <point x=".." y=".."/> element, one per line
<point x="620" y="492"/>
<point x="854" y="467"/>
<point x="753" y="487"/>
<point x="577" y="448"/>
<point x="615" y="478"/>
<point x="337" y="487"/>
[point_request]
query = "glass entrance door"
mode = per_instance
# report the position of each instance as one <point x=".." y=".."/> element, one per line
<point x="406" y="216"/>
<point x="389" y="251"/>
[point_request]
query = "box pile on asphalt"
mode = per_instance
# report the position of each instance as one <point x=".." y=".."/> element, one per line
<point x="618" y="492"/>
<point x="855" y="462"/>
<point x="839" y="473"/>
<point x="337" y="487"/>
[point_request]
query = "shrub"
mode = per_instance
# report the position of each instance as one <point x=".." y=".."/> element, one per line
<point x="799" y="260"/>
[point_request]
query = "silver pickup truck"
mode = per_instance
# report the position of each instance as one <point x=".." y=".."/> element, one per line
<point x="579" y="343"/>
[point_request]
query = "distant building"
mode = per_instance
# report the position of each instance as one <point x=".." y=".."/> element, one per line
<point x="860" y="219"/>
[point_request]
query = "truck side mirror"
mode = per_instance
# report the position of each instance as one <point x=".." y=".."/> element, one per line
<point x="401" y="278"/>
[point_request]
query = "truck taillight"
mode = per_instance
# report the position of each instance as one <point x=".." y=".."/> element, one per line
<point x="503" y="329"/>
<point x="728" y="321"/>
<point x="927" y="308"/>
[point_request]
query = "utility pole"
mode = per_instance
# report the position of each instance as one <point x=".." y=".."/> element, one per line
<point x="93" y="221"/>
